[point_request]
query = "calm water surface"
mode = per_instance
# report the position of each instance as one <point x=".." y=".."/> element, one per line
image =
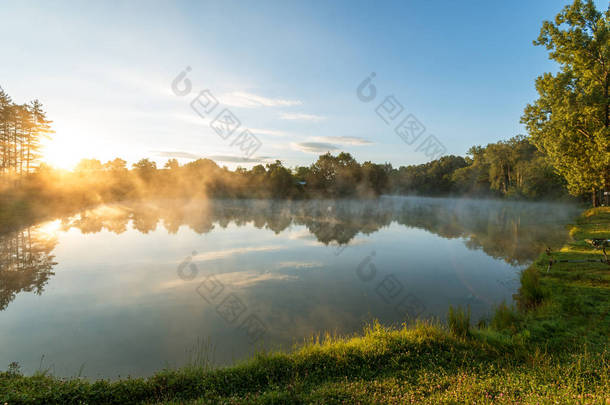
<point x="127" y="289"/>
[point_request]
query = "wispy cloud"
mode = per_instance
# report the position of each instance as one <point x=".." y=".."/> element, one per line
<point x="223" y="254"/>
<point x="236" y="279"/>
<point x="272" y="132"/>
<point x="300" y="234"/>
<point x="239" y="159"/>
<point x="249" y="100"/>
<point x="301" y="117"/>
<point x="314" y="147"/>
<point x="298" y="265"/>
<point x="217" y="158"/>
<point x="344" y="140"/>
<point x="355" y="242"/>
<point x="177" y="154"/>
<point x="245" y="279"/>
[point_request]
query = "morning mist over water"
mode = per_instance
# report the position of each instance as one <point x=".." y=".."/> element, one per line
<point x="131" y="287"/>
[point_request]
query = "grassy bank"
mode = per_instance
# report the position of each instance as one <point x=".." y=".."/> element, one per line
<point x="552" y="348"/>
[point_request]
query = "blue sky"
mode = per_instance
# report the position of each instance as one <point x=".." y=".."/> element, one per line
<point x="287" y="70"/>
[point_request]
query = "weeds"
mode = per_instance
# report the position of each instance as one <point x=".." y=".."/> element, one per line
<point x="505" y="318"/>
<point x="530" y="293"/>
<point x="459" y="322"/>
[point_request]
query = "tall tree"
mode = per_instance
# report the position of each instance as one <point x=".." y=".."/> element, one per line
<point x="6" y="105"/>
<point x="570" y="121"/>
<point x="39" y="128"/>
<point x="22" y="127"/>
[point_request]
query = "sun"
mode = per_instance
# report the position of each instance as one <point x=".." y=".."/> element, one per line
<point x="60" y="154"/>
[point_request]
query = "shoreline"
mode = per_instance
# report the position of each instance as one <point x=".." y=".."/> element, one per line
<point x="553" y="348"/>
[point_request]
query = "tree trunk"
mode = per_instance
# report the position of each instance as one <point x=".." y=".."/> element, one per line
<point x="606" y="196"/>
<point x="594" y="195"/>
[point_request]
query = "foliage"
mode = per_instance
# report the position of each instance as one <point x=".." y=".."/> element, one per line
<point x="512" y="168"/>
<point x="433" y="178"/>
<point x="570" y="121"/>
<point x="22" y="127"/>
<point x="505" y="318"/>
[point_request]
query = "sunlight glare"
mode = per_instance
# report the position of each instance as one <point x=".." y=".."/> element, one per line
<point x="50" y="229"/>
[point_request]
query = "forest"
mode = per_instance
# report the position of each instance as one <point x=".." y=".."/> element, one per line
<point x="506" y="169"/>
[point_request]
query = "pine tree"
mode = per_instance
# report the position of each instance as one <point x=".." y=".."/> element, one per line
<point x="5" y="113"/>
<point x="41" y="128"/>
<point x="22" y="127"/>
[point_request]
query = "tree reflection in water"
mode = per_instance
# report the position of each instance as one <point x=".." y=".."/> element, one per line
<point x="515" y="232"/>
<point x="26" y="262"/>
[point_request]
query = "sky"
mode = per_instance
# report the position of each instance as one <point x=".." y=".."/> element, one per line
<point x="288" y="71"/>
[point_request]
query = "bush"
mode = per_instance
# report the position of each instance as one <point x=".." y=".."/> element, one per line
<point x="459" y="321"/>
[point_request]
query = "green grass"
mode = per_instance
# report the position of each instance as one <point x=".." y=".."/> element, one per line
<point x="458" y="320"/>
<point x="552" y="348"/>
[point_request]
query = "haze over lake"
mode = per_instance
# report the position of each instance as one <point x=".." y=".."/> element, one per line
<point x="128" y="288"/>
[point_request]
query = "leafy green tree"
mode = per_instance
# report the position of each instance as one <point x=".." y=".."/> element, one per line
<point x="172" y="164"/>
<point x="145" y="169"/>
<point x="500" y="160"/>
<point x="570" y="120"/>
<point x="473" y="179"/>
<point x="335" y="176"/>
<point x="377" y="177"/>
<point x="116" y="165"/>
<point x="88" y="166"/>
<point x="280" y="180"/>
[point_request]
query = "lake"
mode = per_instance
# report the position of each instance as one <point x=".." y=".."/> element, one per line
<point x="129" y="288"/>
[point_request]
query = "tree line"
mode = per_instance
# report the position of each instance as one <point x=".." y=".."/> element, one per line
<point x="512" y="169"/>
<point x="506" y="169"/>
<point x="22" y="127"/>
